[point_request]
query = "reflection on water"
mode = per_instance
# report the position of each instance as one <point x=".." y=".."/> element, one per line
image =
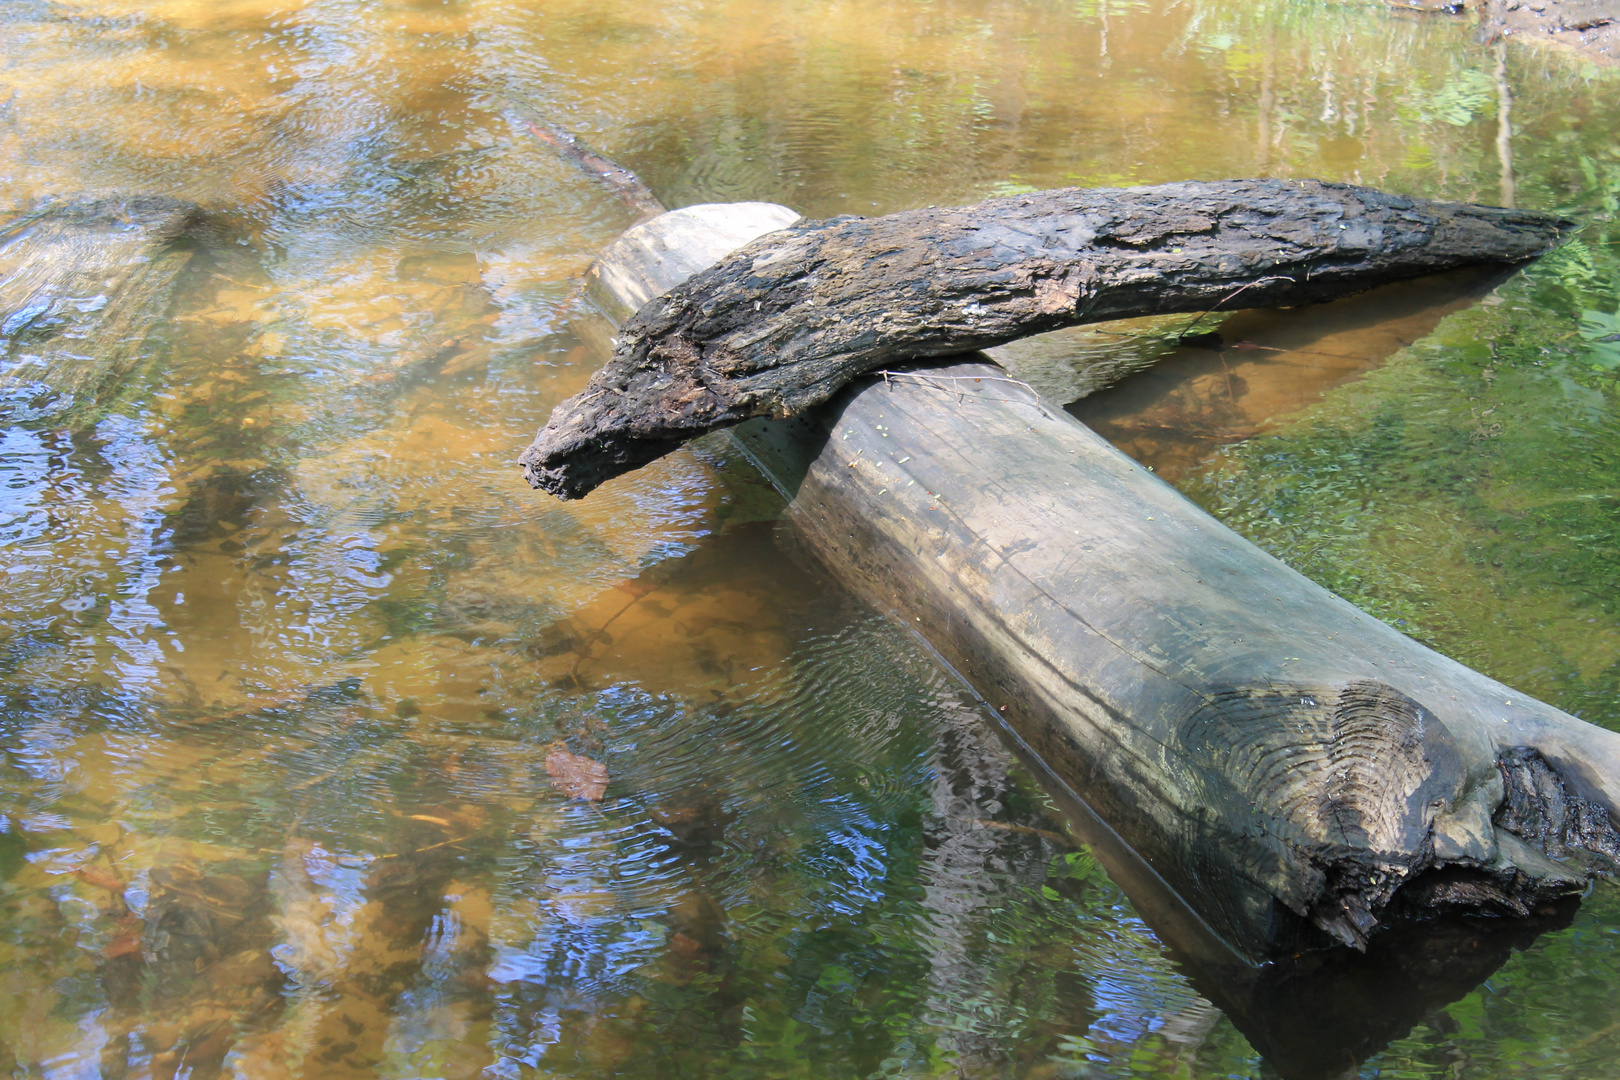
<point x="1219" y="380"/>
<point x="1465" y="491"/>
<point x="287" y="652"/>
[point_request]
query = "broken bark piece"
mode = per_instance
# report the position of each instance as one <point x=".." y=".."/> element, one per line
<point x="782" y="324"/>
<point x="83" y="282"/>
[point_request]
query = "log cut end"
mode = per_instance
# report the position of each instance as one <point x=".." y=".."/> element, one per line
<point x="1357" y="810"/>
<point x="651" y="258"/>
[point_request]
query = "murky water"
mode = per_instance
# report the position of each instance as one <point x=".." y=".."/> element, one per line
<point x="298" y="678"/>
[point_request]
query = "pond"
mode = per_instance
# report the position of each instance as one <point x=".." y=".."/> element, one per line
<point x="298" y="677"/>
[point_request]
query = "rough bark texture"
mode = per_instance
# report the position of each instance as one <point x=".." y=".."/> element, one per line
<point x="638" y="266"/>
<point x="1294" y="771"/>
<point x="782" y="324"/>
<point x="82" y="283"/>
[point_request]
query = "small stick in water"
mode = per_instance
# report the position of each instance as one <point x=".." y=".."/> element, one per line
<point x="629" y="188"/>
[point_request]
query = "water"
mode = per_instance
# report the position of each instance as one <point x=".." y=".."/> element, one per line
<point x="1479" y="465"/>
<point x="290" y="658"/>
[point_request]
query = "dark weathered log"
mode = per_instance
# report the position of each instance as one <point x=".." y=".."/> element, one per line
<point x="82" y="283"/>
<point x="781" y="325"/>
<point x="1296" y="771"/>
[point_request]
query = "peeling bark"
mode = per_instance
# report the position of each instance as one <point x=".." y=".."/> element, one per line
<point x="781" y="325"/>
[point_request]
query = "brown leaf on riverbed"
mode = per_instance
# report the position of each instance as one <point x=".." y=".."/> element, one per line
<point x="575" y="775"/>
<point x="126" y="938"/>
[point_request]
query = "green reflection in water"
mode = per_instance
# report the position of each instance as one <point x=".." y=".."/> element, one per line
<point x="1466" y="490"/>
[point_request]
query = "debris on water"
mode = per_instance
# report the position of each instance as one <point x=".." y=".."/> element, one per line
<point x="576" y="775"/>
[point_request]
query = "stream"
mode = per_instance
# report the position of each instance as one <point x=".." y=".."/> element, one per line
<point x="297" y="674"/>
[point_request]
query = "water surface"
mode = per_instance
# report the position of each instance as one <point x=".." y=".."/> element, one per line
<point x="289" y="657"/>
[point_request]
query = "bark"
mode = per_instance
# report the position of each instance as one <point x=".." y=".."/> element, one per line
<point x="1294" y="772"/>
<point x="779" y="326"/>
<point x="83" y="282"/>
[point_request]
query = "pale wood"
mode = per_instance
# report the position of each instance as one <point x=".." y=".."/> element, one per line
<point x="638" y="266"/>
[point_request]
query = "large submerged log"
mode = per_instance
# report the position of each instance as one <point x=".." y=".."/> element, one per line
<point x="1294" y="770"/>
<point x="82" y="283"/>
<point x="781" y="325"/>
<point x="1297" y="769"/>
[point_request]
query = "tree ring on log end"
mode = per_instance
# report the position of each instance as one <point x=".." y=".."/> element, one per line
<point x="1327" y="795"/>
<point x="1333" y="799"/>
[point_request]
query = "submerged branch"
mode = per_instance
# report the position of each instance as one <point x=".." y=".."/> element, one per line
<point x="630" y="189"/>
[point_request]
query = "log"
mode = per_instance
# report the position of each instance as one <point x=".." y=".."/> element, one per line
<point x="1300" y="771"/>
<point x="1296" y="772"/>
<point x="779" y="326"/>
<point x="83" y="281"/>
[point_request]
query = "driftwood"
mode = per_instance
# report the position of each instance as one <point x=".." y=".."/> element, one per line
<point x="781" y="325"/>
<point x="82" y="283"/>
<point x="1297" y="772"/>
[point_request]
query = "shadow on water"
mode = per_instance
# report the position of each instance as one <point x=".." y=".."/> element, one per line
<point x="1225" y="378"/>
<point x="1323" y="1015"/>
